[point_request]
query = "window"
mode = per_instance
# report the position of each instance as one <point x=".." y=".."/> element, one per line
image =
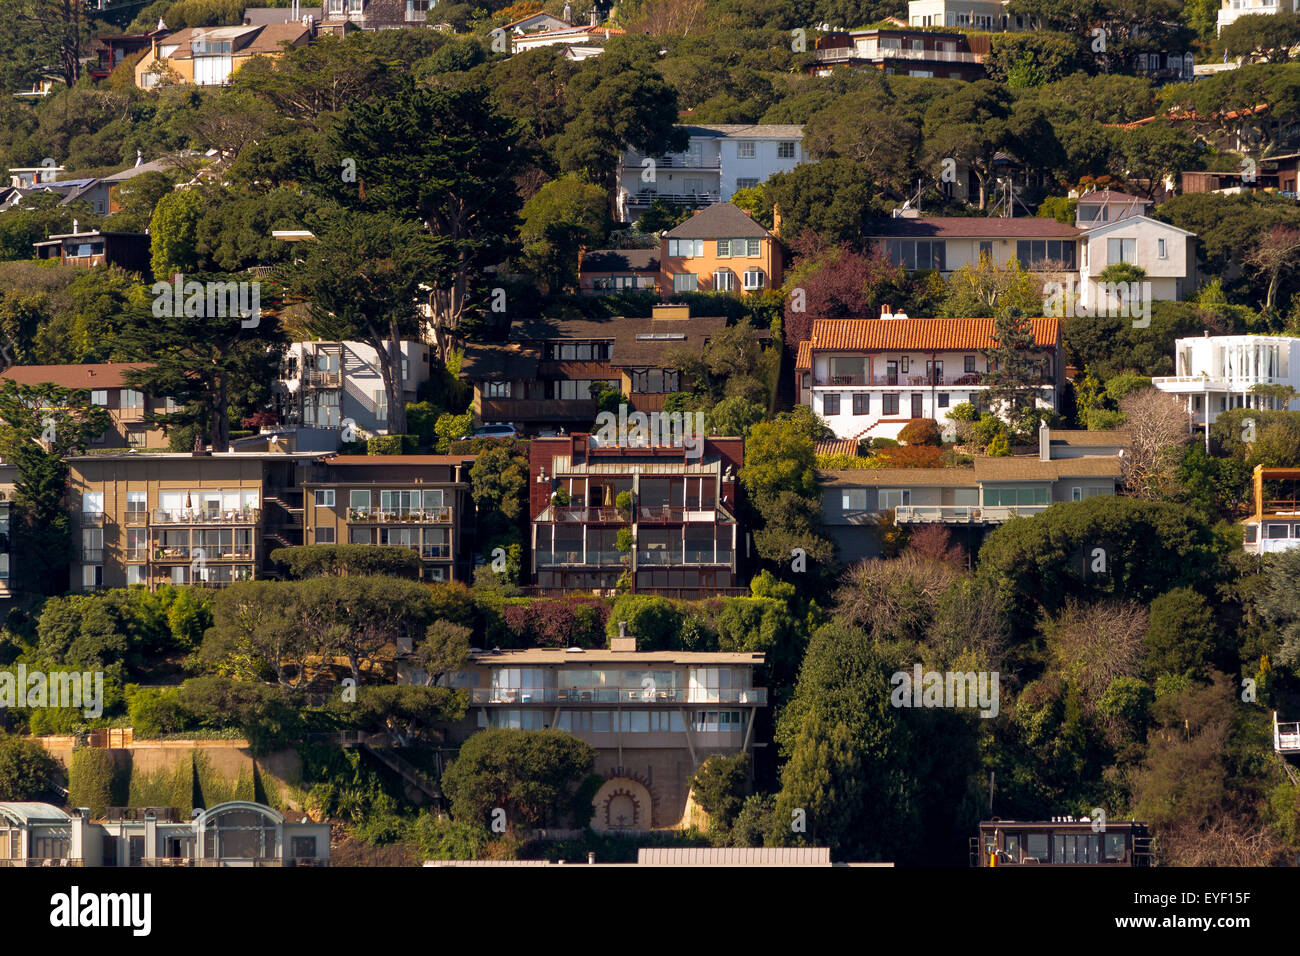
<point x="943" y="399"/>
<point x="381" y="405"/>
<point x="890" y="404"/>
<point x="1121" y="250"/>
<point x="1162" y="249"/>
<point x="854" y="499"/>
<point x="361" y="536"/>
<point x="1036" y="846"/>
<point x="136" y="502"/>
<point x="92" y="503"/>
<point x="137" y="438"/>
<point x="686" y="282"/>
<point x="135" y="574"/>
<point x="92" y="576"/>
<point x="785" y="150"/>
<point x="755" y="279"/>
<point x="99" y="397"/>
<point x="497" y="389"/>
<point x="324" y="535"/>
<point x="969" y="364"/>
<point x="303" y="848"/>
<point x="894" y="497"/>
<point x="132" y="399"/>
<point x="831" y="404"/>
<point x="905" y="363"/>
<point x="655" y="381"/>
<point x="861" y="403"/>
<point x="92" y="544"/>
<point x="137" y="544"/>
<point x="1037" y="254"/>
<point x="986" y="250"/>
<point x="359" y="501"/>
<point x="724" y="280"/>
<point x="324" y="497"/>
<point x="685" y="248"/>
<point x="1012" y="497"/>
<point x="743" y="183"/>
<point x="1116" y="846"/>
<point x="917" y="253"/>
<point x="724" y="248"/>
<point x="745" y="150"/>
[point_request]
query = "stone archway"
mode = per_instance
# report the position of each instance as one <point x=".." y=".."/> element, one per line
<point x="623" y="804"/>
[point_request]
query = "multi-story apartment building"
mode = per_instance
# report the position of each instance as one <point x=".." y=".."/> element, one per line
<point x="721" y="249"/>
<point x="1274" y="525"/>
<point x="547" y="375"/>
<point x="327" y="384"/>
<point x="1217" y="373"/>
<point x="652" y="716"/>
<point x="108" y="389"/>
<point x="182" y="518"/>
<point x="420" y="502"/>
<point x="1230" y="11"/>
<point x="680" y="512"/>
<point x="717" y="161"/>
<point x="870" y="377"/>
<point x="901" y="52"/>
<point x="210" y="56"/>
<point x="1070" y="466"/>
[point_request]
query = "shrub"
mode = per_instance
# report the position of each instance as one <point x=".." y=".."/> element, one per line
<point x="719" y="787"/>
<point x="27" y="771"/>
<point x="392" y="445"/>
<point x="963" y="412"/>
<point x="988" y="428"/>
<point x="912" y="456"/>
<point x="999" y="447"/>
<point x="921" y="431"/>
<point x="624" y="501"/>
<point x="95" y="781"/>
<point x="656" y="622"/>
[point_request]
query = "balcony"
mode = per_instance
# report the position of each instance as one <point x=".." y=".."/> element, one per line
<point x="135" y="519"/>
<point x="645" y="197"/>
<point x="617" y="695"/>
<point x="1207" y="383"/>
<point x="248" y="516"/>
<point x="317" y="379"/>
<point x="41" y="861"/>
<point x="581" y="515"/>
<point x="963" y="514"/>
<point x="673" y="514"/>
<point x="428" y="516"/>
<point x="92" y="555"/>
<point x="435" y="552"/>
<point x="578" y="559"/>
<point x="92" y="519"/>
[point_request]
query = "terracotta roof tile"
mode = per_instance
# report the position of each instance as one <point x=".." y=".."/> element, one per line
<point x="804" y="362"/>
<point x="919" y="334"/>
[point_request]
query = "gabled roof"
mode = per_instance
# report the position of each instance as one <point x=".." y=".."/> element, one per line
<point x="499" y="363"/>
<point x="746" y="131"/>
<point x="804" y="361"/>
<point x="719" y="221"/>
<point x="971" y="227"/>
<point x="549" y="330"/>
<point x="1128" y="221"/>
<point x="919" y="334"/>
<point x="254" y="39"/>
<point x="648" y="344"/>
<point x="1033" y="469"/>
<point x="1111" y="197"/>
<point x="898" y="477"/>
<point x="90" y="376"/>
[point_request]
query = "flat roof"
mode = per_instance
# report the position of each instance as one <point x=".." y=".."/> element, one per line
<point x="395" y="459"/>
<point x="559" y="655"/>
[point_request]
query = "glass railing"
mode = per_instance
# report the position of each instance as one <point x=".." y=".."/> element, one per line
<point x="617" y="695"/>
<point x="192" y="516"/>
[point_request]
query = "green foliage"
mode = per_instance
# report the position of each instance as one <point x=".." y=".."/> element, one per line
<point x="655" y="622"/>
<point x="1180" y="636"/>
<point x="921" y="431"/>
<point x="391" y="445"/>
<point x="317" y="560"/>
<point x="531" y="774"/>
<point x="719" y="787"/>
<point x="97" y="779"/>
<point x="27" y="771"/>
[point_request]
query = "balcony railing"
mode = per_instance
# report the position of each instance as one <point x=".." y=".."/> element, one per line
<point x="41" y="861"/>
<point x="317" y="379"/>
<point x="646" y="196"/>
<point x="617" y="695"/>
<point x="968" y="379"/>
<point x="581" y="515"/>
<point x="135" y="518"/>
<point x="92" y="555"/>
<point x="92" y="519"/>
<point x="435" y="551"/>
<point x="427" y="516"/>
<point x="191" y="516"/>
<point x="963" y="514"/>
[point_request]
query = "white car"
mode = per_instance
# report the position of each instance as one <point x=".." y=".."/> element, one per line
<point x="493" y="431"/>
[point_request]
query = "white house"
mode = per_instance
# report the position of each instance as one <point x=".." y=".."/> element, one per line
<point x="1165" y="253"/>
<point x="1232" y="10"/>
<point x="324" y="384"/>
<point x="1216" y="373"/>
<point x="977" y="14"/>
<point x="868" y="378"/>
<point x="717" y="161"/>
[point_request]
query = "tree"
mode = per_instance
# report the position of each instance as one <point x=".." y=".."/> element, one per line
<point x="1180" y="638"/>
<point x="1093" y="644"/>
<point x="27" y="771"/>
<point x="1278" y="602"/>
<point x="1015" y="366"/>
<point x="56" y="30"/>
<point x="564" y="216"/>
<point x="984" y="289"/>
<point x="448" y="158"/>
<point x="340" y="560"/>
<point x="499" y="485"/>
<point x="256" y="626"/>
<point x="1158" y="426"/>
<point x="530" y="774"/>
<point x="362" y="279"/>
<point x="445" y="648"/>
<point x="1275" y="254"/>
<point x="970" y="124"/>
<point x="719" y="787"/>
<point x="211" y="366"/>
<point x="836" y="281"/>
<point x="1266" y="37"/>
<point x="870" y="128"/>
<point x="40" y="426"/>
<point x="357" y="617"/>
<point x="832" y="199"/>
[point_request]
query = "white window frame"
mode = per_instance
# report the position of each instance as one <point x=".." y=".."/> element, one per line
<point x="724" y="280"/>
<point x="755" y="279"/>
<point x="745" y="149"/>
<point x="324" y="497"/>
<point x="686" y="282"/>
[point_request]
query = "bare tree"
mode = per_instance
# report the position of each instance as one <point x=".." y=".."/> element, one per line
<point x="1096" y="643"/>
<point x="661" y="17"/>
<point x="1276" y="253"/>
<point x="1158" y="425"/>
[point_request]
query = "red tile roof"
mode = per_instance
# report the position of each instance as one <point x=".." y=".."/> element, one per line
<point x="804" y="362"/>
<point x="92" y="376"/>
<point x="918" y="334"/>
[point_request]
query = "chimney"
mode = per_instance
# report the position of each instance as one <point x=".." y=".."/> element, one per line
<point x="885" y="311"/>
<point x="1044" y="442"/>
<point x="776" y="219"/>
<point x="623" y="642"/>
<point x="595" y="16"/>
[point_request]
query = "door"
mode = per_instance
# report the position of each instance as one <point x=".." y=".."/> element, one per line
<point x="891" y="373"/>
<point x="917" y="401"/>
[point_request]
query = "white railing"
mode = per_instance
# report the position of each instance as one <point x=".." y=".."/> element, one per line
<point x="1286" y="737"/>
<point x="935" y="56"/>
<point x="964" y="514"/>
